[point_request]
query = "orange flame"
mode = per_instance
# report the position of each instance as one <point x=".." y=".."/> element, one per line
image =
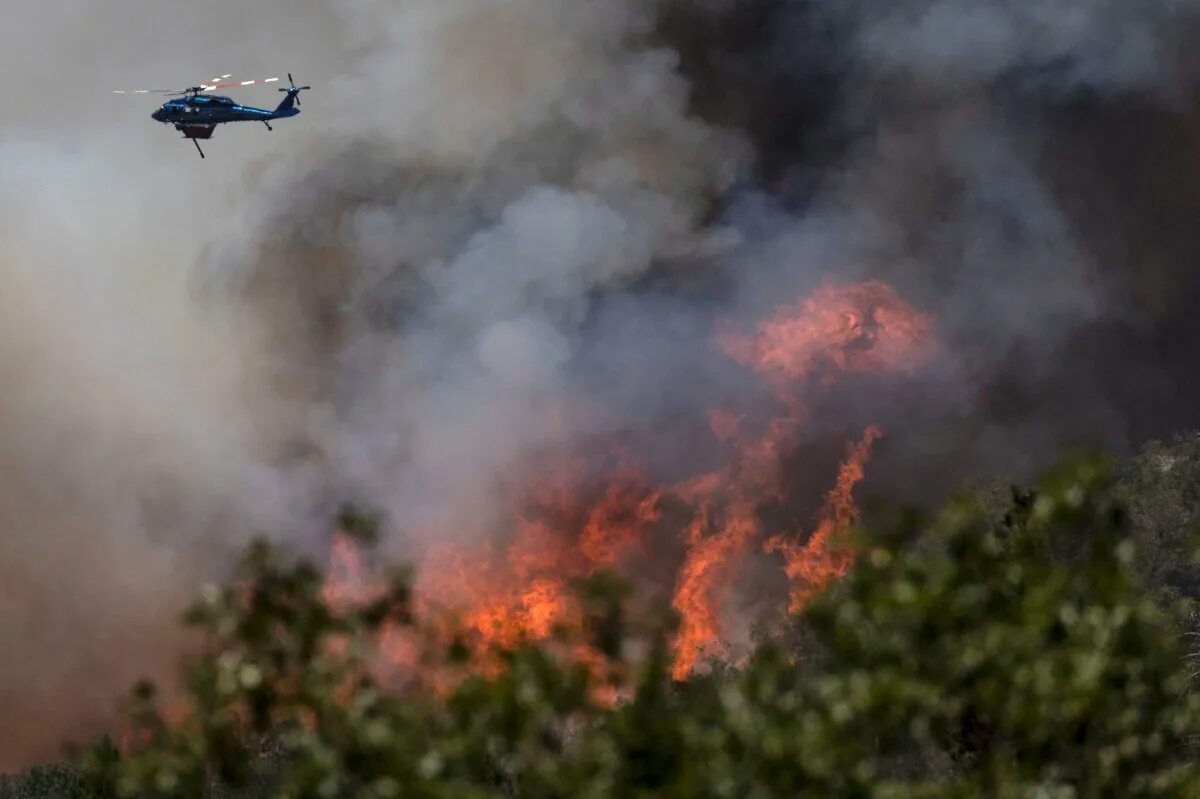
<point x="860" y="327"/>
<point x="521" y="589"/>
<point x="614" y="527"/>
<point x="814" y="564"/>
<point x="719" y="534"/>
<point x="863" y="327"/>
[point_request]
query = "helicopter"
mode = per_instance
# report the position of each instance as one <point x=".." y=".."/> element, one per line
<point x="195" y="113"/>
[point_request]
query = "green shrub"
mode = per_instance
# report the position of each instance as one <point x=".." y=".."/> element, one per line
<point x="964" y="656"/>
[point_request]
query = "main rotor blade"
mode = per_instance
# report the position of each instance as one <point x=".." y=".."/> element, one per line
<point x="209" y="87"/>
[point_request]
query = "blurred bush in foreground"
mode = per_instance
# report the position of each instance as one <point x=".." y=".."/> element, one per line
<point x="968" y="654"/>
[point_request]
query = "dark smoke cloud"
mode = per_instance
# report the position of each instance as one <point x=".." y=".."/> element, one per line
<point x="497" y="228"/>
<point x="1025" y="170"/>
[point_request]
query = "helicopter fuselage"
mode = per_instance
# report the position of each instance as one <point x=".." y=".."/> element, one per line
<point x="214" y="110"/>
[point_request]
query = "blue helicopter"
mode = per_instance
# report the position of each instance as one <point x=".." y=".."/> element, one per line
<point x="196" y="114"/>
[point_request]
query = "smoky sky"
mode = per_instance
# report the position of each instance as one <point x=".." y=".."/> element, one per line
<point x="497" y="228"/>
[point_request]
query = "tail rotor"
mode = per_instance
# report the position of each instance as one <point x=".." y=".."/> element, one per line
<point x="294" y="90"/>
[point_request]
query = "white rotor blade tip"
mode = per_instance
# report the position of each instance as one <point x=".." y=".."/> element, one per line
<point x="270" y="80"/>
<point x="247" y="82"/>
<point x="141" y="91"/>
<point x="117" y="91"/>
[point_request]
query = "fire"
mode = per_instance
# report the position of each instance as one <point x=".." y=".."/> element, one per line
<point x="724" y="523"/>
<point x="860" y="327"/>
<point x="568" y="522"/>
<point x="812" y="565"/>
<point x="863" y="327"/>
<point x="614" y="526"/>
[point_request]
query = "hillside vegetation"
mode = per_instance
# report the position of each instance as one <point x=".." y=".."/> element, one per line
<point x="1021" y="643"/>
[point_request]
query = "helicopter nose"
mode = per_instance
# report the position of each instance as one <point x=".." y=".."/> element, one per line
<point x="157" y="115"/>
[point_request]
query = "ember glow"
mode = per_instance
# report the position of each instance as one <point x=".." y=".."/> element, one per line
<point x="567" y="525"/>
<point x="863" y="327"/>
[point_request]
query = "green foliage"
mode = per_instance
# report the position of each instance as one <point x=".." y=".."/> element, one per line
<point x="1038" y="675"/>
<point x="966" y="655"/>
<point x="57" y="781"/>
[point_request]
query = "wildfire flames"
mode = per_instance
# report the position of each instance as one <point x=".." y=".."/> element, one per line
<point x="567" y="526"/>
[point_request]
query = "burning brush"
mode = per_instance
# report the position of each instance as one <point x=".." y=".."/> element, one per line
<point x="568" y="527"/>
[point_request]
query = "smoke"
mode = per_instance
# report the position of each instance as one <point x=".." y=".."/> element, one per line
<point x="987" y="115"/>
<point x="1054" y="47"/>
<point x="482" y="220"/>
<point x="1010" y="166"/>
<point x="497" y="229"/>
<point x="126" y="465"/>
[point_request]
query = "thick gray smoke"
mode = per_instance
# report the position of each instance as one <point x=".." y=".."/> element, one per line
<point x="520" y="163"/>
<point x="1054" y="46"/>
<point x="1014" y="167"/>
<point x="498" y="227"/>
<point x="996" y="145"/>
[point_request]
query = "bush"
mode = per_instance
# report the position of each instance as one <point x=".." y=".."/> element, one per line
<point x="965" y="655"/>
<point x="58" y="781"/>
